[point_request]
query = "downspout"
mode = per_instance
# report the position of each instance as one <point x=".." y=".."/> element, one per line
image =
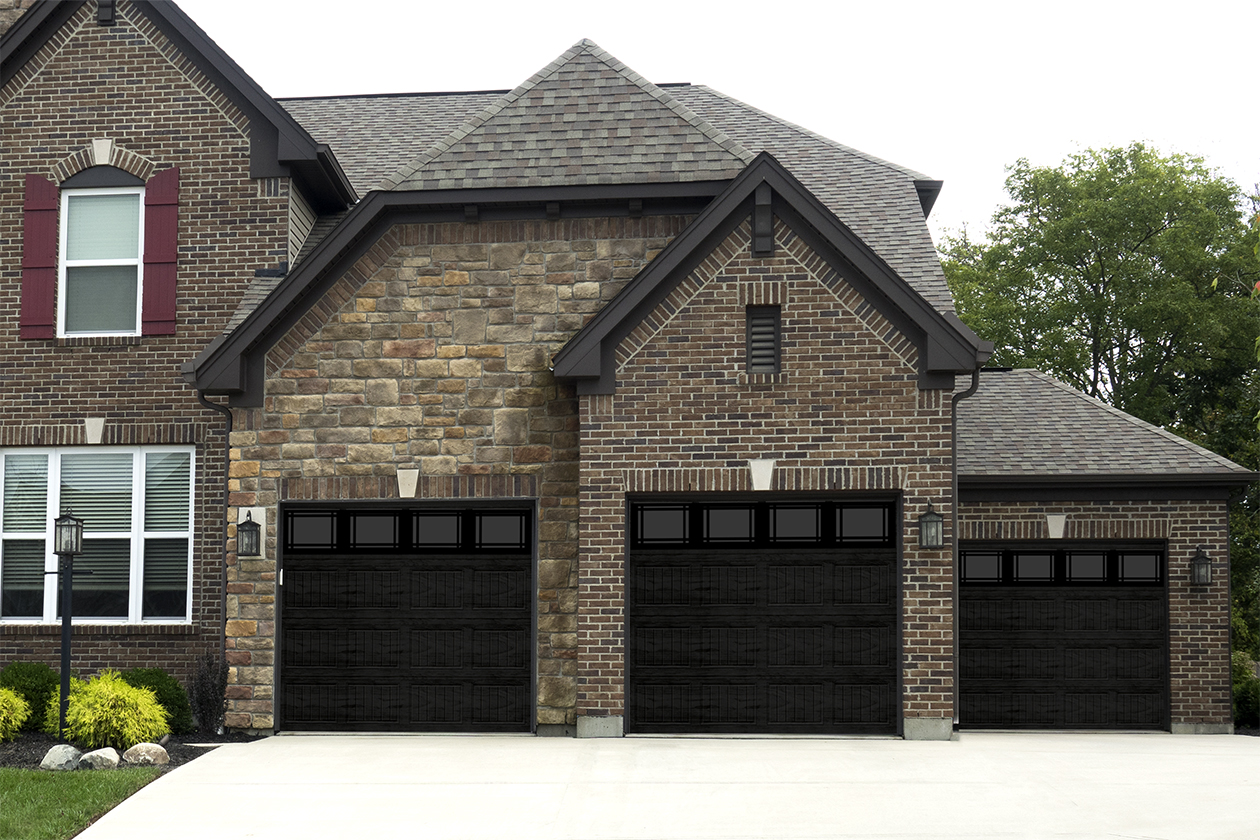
<point x="953" y="411"/>
<point x="227" y="463"/>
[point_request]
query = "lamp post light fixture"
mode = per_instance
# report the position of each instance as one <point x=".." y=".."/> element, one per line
<point x="1200" y="568"/>
<point x="67" y="542"/>
<point x="248" y="537"/>
<point x="931" y="529"/>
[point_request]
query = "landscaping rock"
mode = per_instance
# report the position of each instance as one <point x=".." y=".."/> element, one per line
<point x="61" y="757"/>
<point x="105" y="758"/>
<point x="146" y="754"/>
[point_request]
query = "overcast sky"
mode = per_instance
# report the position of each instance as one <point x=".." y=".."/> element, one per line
<point x="957" y="90"/>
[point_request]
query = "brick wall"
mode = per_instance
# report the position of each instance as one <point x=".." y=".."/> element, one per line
<point x="844" y="416"/>
<point x="126" y="84"/>
<point x="433" y="353"/>
<point x="1198" y="616"/>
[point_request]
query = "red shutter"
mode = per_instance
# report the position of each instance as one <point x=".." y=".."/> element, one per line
<point x="39" y="259"/>
<point x="161" y="235"/>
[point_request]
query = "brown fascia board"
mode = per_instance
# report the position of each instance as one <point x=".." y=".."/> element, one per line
<point x="231" y="365"/>
<point x="1102" y="487"/>
<point x="946" y="343"/>
<point x="272" y="153"/>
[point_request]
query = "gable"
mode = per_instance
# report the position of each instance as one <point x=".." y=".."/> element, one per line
<point x="584" y="119"/>
<point x="278" y="145"/>
<point x="766" y="191"/>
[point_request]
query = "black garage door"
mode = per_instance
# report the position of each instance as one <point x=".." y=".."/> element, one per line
<point x="406" y="620"/>
<point x="757" y="617"/>
<point x="1063" y="638"/>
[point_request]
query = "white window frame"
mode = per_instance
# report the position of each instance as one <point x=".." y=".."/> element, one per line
<point x="63" y="263"/>
<point x="137" y="535"/>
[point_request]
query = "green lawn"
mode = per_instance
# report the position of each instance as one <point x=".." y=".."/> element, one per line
<point x="44" y="805"/>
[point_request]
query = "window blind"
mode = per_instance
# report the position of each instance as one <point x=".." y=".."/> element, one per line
<point x="97" y="487"/>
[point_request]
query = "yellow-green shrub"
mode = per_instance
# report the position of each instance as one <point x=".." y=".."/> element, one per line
<point x="106" y="712"/>
<point x="14" y="710"/>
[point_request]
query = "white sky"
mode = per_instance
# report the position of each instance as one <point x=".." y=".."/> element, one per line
<point x="957" y="90"/>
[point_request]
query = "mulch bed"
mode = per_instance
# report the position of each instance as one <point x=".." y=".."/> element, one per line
<point x="30" y="748"/>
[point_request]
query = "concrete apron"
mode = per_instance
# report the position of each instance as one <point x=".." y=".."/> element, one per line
<point x="1195" y="787"/>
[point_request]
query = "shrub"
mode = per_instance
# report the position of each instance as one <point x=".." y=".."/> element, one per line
<point x="106" y="712"/>
<point x="1246" y="691"/>
<point x="169" y="693"/>
<point x="14" y="710"/>
<point x="52" y="709"/>
<point x="35" y="682"/>
<point x="207" y="692"/>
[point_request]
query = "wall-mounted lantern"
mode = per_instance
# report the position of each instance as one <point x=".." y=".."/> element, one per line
<point x="1200" y="568"/>
<point x="248" y="537"/>
<point x="931" y="529"/>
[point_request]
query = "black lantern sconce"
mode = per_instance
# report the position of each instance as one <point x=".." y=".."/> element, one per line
<point x="1200" y="568"/>
<point x="931" y="529"/>
<point x="248" y="537"/>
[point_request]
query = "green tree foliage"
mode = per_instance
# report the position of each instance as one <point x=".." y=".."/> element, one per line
<point x="1125" y="274"/>
<point x="1130" y="276"/>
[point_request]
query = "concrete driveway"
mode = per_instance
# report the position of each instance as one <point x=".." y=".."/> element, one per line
<point x="986" y="785"/>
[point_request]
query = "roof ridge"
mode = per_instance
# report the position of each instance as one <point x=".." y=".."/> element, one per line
<point x="583" y="46"/>
<point x="912" y="173"/>
<point x="1131" y="419"/>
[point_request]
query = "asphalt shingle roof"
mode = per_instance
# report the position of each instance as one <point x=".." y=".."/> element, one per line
<point x="1023" y="423"/>
<point x="586" y="118"/>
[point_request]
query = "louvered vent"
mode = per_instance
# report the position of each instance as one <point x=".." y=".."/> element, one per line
<point x="763" y="339"/>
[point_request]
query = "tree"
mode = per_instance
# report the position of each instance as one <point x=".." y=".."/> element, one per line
<point x="1123" y="273"/>
<point x="1132" y="277"/>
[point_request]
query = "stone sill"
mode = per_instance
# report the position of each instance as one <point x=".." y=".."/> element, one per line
<point x="100" y="629"/>
<point x="99" y="341"/>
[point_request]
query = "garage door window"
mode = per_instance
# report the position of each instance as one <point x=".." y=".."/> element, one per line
<point x="392" y="531"/>
<point x="1060" y="568"/>
<point x="672" y="525"/>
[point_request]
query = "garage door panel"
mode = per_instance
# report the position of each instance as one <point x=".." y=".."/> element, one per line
<point x="404" y="639"/>
<point x="1063" y="656"/>
<point x="765" y="641"/>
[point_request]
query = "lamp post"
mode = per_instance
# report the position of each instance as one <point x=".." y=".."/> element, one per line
<point x="67" y="542"/>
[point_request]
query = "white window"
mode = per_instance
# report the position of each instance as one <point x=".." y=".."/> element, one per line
<point x="102" y="245"/>
<point x="136" y="506"/>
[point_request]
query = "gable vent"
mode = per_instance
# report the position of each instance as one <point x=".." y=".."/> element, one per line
<point x="763" y="339"/>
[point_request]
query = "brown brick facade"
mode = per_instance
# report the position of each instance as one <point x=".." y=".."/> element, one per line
<point x="845" y="416"/>
<point x="432" y="353"/>
<point x="125" y="96"/>
<point x="1198" y="616"/>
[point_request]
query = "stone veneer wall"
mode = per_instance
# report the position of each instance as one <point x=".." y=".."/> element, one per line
<point x="1198" y="616"/>
<point x="128" y="85"/>
<point x="844" y="416"/>
<point x="433" y="353"/>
